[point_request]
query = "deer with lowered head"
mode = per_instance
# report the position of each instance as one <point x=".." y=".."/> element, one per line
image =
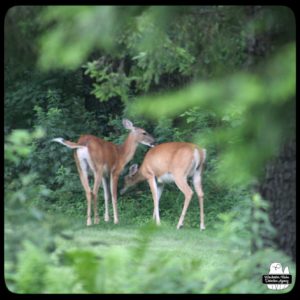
<point x="171" y="162"/>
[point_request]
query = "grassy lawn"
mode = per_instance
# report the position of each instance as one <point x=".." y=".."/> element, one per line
<point x="188" y="246"/>
<point x="183" y="243"/>
<point x="127" y="258"/>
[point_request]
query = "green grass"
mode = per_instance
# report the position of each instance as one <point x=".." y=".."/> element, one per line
<point x="145" y="258"/>
<point x="189" y="243"/>
<point x="136" y="256"/>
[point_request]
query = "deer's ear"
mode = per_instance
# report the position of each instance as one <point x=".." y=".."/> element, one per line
<point x="127" y="124"/>
<point x="133" y="169"/>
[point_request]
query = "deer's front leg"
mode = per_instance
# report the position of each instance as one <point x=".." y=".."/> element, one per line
<point x="160" y="188"/>
<point x="154" y="191"/>
<point x="114" y="178"/>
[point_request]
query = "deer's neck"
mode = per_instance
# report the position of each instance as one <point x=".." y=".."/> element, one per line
<point x="139" y="177"/>
<point x="128" y="148"/>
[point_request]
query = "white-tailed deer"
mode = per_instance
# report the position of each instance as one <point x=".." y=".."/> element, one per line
<point x="168" y="162"/>
<point x="106" y="160"/>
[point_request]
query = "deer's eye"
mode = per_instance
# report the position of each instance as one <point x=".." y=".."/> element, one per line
<point x="144" y="133"/>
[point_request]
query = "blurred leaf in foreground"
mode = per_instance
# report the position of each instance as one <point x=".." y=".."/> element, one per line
<point x="263" y="101"/>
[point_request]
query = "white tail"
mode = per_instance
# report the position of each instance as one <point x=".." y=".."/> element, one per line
<point x="68" y="143"/>
<point x="106" y="160"/>
<point x="168" y="162"/>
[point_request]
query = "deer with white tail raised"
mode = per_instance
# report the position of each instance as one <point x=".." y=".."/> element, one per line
<point x="171" y="162"/>
<point x="106" y="161"/>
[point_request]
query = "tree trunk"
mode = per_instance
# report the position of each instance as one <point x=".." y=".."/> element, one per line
<point x="279" y="188"/>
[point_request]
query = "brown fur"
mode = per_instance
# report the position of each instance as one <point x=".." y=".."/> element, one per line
<point x="177" y="159"/>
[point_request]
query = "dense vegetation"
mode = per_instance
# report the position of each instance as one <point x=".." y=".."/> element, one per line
<point x="220" y="76"/>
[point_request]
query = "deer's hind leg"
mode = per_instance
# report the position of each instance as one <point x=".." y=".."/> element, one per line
<point x="82" y="168"/>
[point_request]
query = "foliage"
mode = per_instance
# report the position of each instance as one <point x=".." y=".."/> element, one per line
<point x="19" y="186"/>
<point x="140" y="267"/>
<point x="31" y="88"/>
<point x="21" y="31"/>
<point x="21" y="190"/>
<point x="20" y="97"/>
<point x="31" y="270"/>
<point x="238" y="229"/>
<point x="79" y="19"/>
<point x="192" y="42"/>
<point x="59" y="119"/>
<point x="136" y="269"/>
<point x="245" y="95"/>
<point x="147" y="50"/>
<point x="220" y="76"/>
